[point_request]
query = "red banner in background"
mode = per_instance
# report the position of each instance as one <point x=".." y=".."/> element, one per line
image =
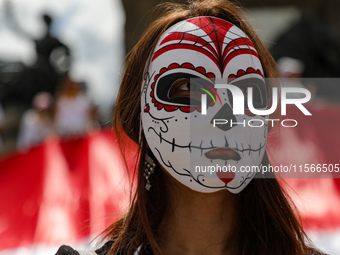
<point x="314" y="141"/>
<point x="62" y="191"/>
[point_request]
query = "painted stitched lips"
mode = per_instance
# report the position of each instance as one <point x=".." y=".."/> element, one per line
<point x="224" y="154"/>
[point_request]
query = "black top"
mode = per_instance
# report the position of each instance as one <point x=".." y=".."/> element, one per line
<point x="67" y="250"/>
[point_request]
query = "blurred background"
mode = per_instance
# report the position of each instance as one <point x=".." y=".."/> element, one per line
<point x="61" y="175"/>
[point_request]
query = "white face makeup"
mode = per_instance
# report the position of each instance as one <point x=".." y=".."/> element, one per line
<point x="190" y="58"/>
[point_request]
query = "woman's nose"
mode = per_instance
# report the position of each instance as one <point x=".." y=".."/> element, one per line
<point x="225" y="114"/>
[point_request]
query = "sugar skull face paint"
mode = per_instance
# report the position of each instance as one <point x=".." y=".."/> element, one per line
<point x="190" y="58"/>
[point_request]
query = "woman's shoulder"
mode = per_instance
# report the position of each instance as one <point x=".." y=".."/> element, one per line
<point x="67" y="250"/>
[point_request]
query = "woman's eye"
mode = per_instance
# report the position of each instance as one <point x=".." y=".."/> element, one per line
<point x="184" y="89"/>
<point x="180" y="88"/>
<point x="185" y="86"/>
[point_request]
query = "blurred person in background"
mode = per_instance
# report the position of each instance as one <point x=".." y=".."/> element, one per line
<point x="19" y="82"/>
<point x="291" y="70"/>
<point x="53" y="61"/>
<point x="74" y="113"/>
<point x="53" y="56"/>
<point x="36" y="123"/>
<point x="290" y="67"/>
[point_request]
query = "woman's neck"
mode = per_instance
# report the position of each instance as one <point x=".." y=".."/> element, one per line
<point x="196" y="223"/>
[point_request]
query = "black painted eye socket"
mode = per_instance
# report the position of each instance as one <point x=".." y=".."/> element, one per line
<point x="183" y="89"/>
<point x="258" y="86"/>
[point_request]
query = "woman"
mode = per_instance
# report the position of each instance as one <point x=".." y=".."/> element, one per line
<point x="179" y="206"/>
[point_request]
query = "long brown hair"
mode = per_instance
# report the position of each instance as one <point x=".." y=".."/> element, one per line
<point x="266" y="223"/>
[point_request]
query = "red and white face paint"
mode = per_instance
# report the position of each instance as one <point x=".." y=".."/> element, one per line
<point x="204" y="157"/>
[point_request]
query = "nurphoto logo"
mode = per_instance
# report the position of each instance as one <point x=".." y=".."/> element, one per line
<point x="238" y="99"/>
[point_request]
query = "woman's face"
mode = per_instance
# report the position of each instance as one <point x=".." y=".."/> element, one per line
<point x="189" y="60"/>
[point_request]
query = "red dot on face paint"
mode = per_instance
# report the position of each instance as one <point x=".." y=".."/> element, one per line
<point x="170" y="108"/>
<point x="240" y="73"/>
<point x="211" y="76"/>
<point x="153" y="85"/>
<point x="201" y="70"/>
<point x="187" y="65"/>
<point x="156" y="77"/>
<point x="163" y="70"/>
<point x="226" y="177"/>
<point x="146" y="108"/>
<point x="187" y="109"/>
<point x="250" y="70"/>
<point x="172" y="66"/>
<point x="231" y="77"/>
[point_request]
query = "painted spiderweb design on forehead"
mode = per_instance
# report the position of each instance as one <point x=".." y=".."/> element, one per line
<point x="220" y="40"/>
